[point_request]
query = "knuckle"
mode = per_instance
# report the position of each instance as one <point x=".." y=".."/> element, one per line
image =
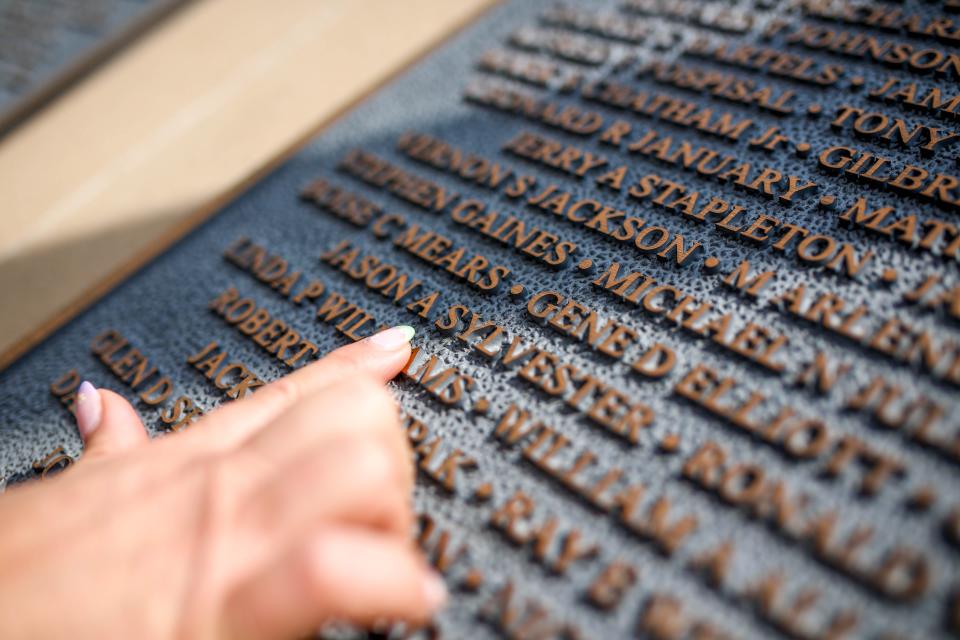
<point x="283" y="390"/>
<point x="379" y="466"/>
<point x="373" y="403"/>
<point x="373" y="461"/>
<point x="380" y="400"/>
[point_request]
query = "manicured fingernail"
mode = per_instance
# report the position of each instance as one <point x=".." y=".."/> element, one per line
<point x="434" y="591"/>
<point x="89" y="409"/>
<point x="393" y="338"/>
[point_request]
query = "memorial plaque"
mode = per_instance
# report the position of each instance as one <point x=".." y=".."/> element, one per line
<point x="45" y="45"/>
<point x="684" y="279"/>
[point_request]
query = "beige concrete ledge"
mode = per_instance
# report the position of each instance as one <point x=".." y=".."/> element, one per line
<point x="176" y="120"/>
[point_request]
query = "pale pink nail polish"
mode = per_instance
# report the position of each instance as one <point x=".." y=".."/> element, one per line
<point x="392" y="338"/>
<point x="89" y="409"/>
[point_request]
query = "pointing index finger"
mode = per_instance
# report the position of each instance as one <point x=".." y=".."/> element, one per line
<point x="381" y="356"/>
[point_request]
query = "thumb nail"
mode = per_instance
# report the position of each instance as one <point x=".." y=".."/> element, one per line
<point x="89" y="409"/>
<point x="392" y="338"/>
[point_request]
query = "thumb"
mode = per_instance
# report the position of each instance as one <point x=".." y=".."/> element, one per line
<point x="107" y="423"/>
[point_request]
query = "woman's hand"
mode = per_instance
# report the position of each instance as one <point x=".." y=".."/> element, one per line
<point x="267" y="518"/>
